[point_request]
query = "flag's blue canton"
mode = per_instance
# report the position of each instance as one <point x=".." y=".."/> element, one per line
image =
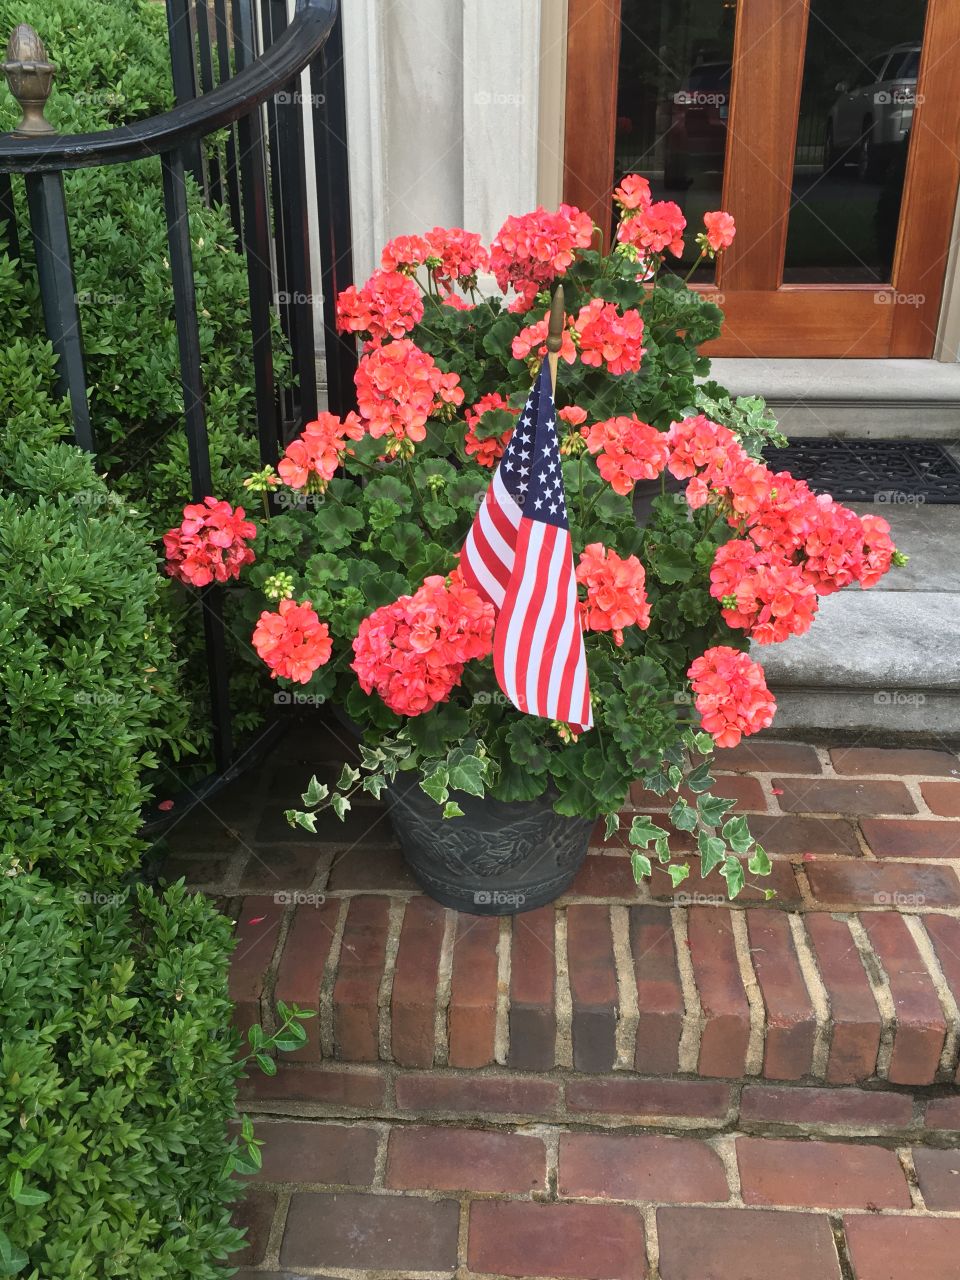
<point x="530" y="468"/>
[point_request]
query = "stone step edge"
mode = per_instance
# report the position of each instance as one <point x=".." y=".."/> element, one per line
<point x="703" y="990"/>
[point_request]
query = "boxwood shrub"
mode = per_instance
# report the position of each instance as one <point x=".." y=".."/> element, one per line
<point x="118" y="1076"/>
<point x="88" y="676"/>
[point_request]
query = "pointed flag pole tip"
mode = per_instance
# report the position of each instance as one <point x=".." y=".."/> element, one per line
<point x="555" y="333"/>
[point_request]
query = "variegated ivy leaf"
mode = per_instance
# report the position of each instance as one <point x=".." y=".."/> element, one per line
<point x="642" y="831"/>
<point x="437" y="784"/>
<point x="737" y="834"/>
<point x="712" y="809"/>
<point x="374" y="783"/>
<point x="297" y="818"/>
<point x="611" y="824"/>
<point x="640" y="865"/>
<point x="452" y="810"/>
<point x="683" y="816"/>
<point x="732" y="872"/>
<point x="678" y="872"/>
<point x="759" y="863"/>
<point x="340" y="805"/>
<point x="712" y="852"/>
<point x="348" y="778"/>
<point x="315" y="793"/>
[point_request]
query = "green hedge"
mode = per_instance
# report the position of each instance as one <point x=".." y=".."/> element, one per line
<point x="87" y="668"/>
<point x="117" y="1082"/>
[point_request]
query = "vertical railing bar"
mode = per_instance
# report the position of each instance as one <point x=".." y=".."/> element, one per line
<point x="232" y="169"/>
<point x="184" y="72"/>
<point x="205" y="48"/>
<point x="274" y="18"/>
<point x="256" y="243"/>
<point x="8" y="216"/>
<point x="333" y="199"/>
<point x="191" y="377"/>
<point x="58" y="294"/>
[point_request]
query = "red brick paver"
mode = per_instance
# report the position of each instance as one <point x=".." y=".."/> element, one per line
<point x="857" y="1024"/>
<point x="356" y="993"/>
<point x="651" y="1167"/>
<point x="303" y="1151"/>
<point x="893" y="1247"/>
<point x="465" y="1160"/>
<point x="920" y="1029"/>
<point x="472" y="1017"/>
<point x="593" y="987"/>
<point x="726" y="1031"/>
<point x="919" y="838"/>
<point x="791" y="1022"/>
<point x="942" y="797"/>
<point x="414" y="997"/>
<point x="302" y="967"/>
<point x="743" y="1244"/>
<point x="368" y="1232"/>
<point x="820" y="1175"/>
<point x="533" y="1019"/>
<point x="893" y="760"/>
<point x="659" y="992"/>
<point x="581" y="1241"/>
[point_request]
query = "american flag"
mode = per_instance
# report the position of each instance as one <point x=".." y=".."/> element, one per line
<point x="519" y="556"/>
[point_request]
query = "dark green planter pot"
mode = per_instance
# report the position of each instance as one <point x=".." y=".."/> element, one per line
<point x="498" y="859"/>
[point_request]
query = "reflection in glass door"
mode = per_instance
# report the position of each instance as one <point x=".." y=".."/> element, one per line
<point x="673" y="99"/>
<point x="856" y="114"/>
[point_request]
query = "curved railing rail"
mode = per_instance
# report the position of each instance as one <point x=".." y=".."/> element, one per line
<point x="269" y="173"/>
<point x="254" y="85"/>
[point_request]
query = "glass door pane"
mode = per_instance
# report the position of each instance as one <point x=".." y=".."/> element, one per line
<point x="673" y="98"/>
<point x="856" y="113"/>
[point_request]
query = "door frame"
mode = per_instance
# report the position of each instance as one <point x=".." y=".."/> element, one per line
<point x="764" y="316"/>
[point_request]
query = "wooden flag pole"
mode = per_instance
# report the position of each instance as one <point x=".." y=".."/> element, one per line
<point x="555" y="334"/>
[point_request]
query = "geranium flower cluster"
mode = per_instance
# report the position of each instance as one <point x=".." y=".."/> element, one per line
<point x="451" y="254"/>
<point x="533" y="338"/>
<point x="795" y="545"/>
<point x="387" y="306"/>
<point x="607" y="336"/>
<point x="731" y="694"/>
<point x="413" y="651"/>
<point x="311" y="460"/>
<point x="616" y="591"/>
<point x="293" y="642"/>
<point x="489" y="450"/>
<point x="627" y="450"/>
<point x="654" y="227"/>
<point x="529" y="251"/>
<point x="210" y="544"/>
<point x="399" y="387"/>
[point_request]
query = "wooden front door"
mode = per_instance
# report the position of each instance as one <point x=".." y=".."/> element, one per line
<point x="830" y="130"/>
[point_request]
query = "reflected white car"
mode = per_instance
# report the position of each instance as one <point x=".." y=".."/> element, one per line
<point x="873" y="115"/>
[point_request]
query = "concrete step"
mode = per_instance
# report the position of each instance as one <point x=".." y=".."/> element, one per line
<point x="885" y="663"/>
<point x="861" y="399"/>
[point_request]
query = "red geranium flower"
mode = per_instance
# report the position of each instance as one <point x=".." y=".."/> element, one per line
<point x="489" y="450"/>
<point x="413" y="652"/>
<point x="616" y="591"/>
<point x="720" y="230"/>
<point x="210" y="544"/>
<point x="388" y="306"/>
<point x="652" y="228"/>
<point x="399" y="387"/>
<point x="629" y="450"/>
<point x="606" y="336"/>
<point x="293" y="642"/>
<point x="311" y="459"/>
<point x="530" y="251"/>
<point x="731" y="694"/>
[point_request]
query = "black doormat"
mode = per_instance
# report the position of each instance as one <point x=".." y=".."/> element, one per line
<point x="885" y="471"/>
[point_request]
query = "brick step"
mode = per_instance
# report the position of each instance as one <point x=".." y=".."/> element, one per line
<point x="375" y="1199"/>
<point x="589" y="986"/>
<point x="624" y="1100"/>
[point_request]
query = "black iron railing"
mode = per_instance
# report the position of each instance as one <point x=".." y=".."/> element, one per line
<point x="226" y="76"/>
